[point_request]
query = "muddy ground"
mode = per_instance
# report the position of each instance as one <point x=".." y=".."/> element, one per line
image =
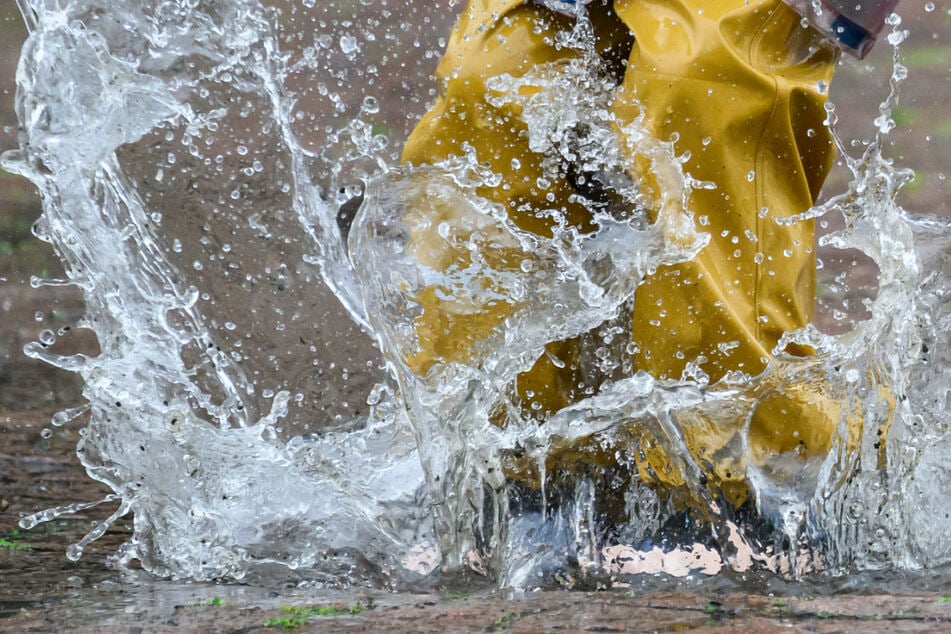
<point x="40" y="590"/>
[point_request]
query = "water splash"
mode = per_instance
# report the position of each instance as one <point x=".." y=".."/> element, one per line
<point x="198" y="182"/>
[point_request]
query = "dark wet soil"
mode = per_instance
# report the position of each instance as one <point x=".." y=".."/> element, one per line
<point x="42" y="591"/>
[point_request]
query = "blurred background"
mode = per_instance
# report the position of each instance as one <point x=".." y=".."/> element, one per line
<point x="920" y="143"/>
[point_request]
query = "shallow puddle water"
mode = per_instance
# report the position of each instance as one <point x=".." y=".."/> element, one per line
<point x="222" y="183"/>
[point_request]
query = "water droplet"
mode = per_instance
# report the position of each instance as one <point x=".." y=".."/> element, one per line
<point x="895" y="38"/>
<point x="371" y="105"/>
<point x="74" y="552"/>
<point x="349" y="44"/>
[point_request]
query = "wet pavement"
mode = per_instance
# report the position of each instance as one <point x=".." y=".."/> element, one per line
<point x="42" y="591"/>
<point x="576" y="613"/>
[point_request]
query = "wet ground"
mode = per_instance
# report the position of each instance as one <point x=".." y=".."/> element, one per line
<point x="41" y="590"/>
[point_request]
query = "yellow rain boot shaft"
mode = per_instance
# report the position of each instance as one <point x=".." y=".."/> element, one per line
<point x="739" y="85"/>
<point x="731" y="85"/>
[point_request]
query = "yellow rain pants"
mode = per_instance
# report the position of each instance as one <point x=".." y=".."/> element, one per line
<point x="739" y="85"/>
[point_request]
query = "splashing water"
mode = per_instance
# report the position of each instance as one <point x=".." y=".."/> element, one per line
<point x="198" y="182"/>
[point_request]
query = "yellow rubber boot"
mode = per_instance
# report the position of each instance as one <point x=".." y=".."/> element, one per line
<point x="740" y="86"/>
<point x="739" y="82"/>
<point x="493" y="38"/>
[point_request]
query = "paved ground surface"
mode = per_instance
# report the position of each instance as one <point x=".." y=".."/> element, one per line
<point x="40" y="590"/>
<point x="579" y="612"/>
